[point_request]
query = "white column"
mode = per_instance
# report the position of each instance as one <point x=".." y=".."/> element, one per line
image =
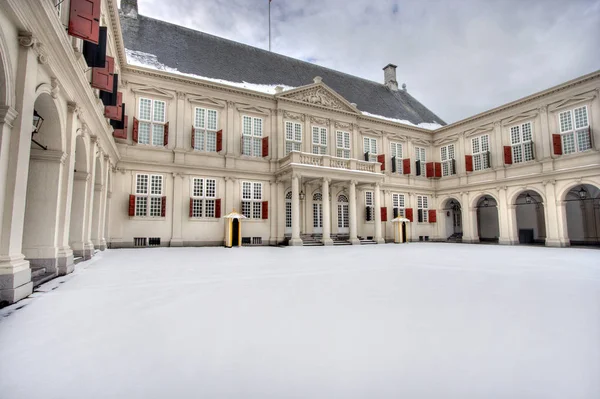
<point x="326" y="212"/>
<point x="88" y="246"/>
<point x="469" y="220"/>
<point x="507" y="220"/>
<point x="280" y="211"/>
<point x="556" y="218"/>
<point x="273" y="214"/>
<point x="353" y="218"/>
<point x="296" y="240"/>
<point x="179" y="209"/>
<point x="378" y="238"/>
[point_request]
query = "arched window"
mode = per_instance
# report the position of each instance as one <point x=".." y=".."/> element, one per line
<point x="318" y="197"/>
<point x="342" y="198"/>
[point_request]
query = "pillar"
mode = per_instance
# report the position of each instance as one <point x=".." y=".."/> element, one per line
<point x="378" y="238"/>
<point x="274" y="200"/>
<point x="98" y="185"/>
<point x="353" y="218"/>
<point x="280" y="211"/>
<point x="326" y="212"/>
<point x="88" y="245"/>
<point x="507" y="220"/>
<point x="469" y="221"/>
<point x="103" y="207"/>
<point x="557" y="234"/>
<point x="296" y="240"/>
<point x="177" y="210"/>
<point x="78" y="212"/>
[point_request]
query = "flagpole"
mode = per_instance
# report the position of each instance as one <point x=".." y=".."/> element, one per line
<point x="269" y="25"/>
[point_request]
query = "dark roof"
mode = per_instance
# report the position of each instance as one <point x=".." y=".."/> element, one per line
<point x="199" y="53"/>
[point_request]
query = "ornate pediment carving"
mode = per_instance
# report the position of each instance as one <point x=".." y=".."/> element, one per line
<point x="321" y="96"/>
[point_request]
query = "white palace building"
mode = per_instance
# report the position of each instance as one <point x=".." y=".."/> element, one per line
<point x="118" y="131"/>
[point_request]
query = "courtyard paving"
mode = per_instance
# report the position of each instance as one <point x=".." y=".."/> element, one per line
<point x="423" y="320"/>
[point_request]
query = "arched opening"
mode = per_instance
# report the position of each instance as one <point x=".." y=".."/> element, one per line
<point x="343" y="215"/>
<point x="488" y="228"/>
<point x="531" y="223"/>
<point x="78" y="205"/>
<point x="288" y="213"/>
<point x="318" y="213"/>
<point x="40" y="230"/>
<point x="582" y="206"/>
<point x="453" y="220"/>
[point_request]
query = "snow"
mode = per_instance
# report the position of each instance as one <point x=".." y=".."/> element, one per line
<point x="420" y="320"/>
<point x="423" y="125"/>
<point x="147" y="60"/>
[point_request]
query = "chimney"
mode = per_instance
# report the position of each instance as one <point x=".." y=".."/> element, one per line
<point x="129" y="8"/>
<point x="389" y="77"/>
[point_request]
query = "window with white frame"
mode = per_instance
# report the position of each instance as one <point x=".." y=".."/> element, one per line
<point x="252" y="131"/>
<point x="447" y="158"/>
<point x="396" y="151"/>
<point x="575" y="130"/>
<point x="252" y="200"/>
<point x="204" y="193"/>
<point x="481" y="152"/>
<point x="343" y="144"/>
<point x="369" y="207"/>
<point x="205" y="129"/>
<point x="293" y="137"/>
<point x="370" y="149"/>
<point x="420" y="160"/>
<point x="148" y="195"/>
<point x="319" y="140"/>
<point x="152" y="120"/>
<point x="521" y="140"/>
<point x="422" y="208"/>
<point x="398" y="205"/>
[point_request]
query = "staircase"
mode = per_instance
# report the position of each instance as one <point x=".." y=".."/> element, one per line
<point x="341" y="239"/>
<point x="312" y="240"/>
<point x="39" y="275"/>
<point x="366" y="240"/>
<point x="456" y="237"/>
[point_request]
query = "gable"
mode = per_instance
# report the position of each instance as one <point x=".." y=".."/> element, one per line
<point x="319" y="95"/>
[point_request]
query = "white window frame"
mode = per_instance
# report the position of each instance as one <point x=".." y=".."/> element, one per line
<point x="155" y="134"/>
<point x="574" y="137"/>
<point x="343" y="144"/>
<point x="319" y="140"/>
<point x="396" y="149"/>
<point x="147" y="197"/>
<point x="421" y="156"/>
<point x="447" y="156"/>
<point x="399" y="202"/>
<point x="522" y="146"/>
<point x="480" y="152"/>
<point x="205" y="131"/>
<point x="203" y="200"/>
<point x="293" y="137"/>
<point x="370" y="147"/>
<point x="423" y="206"/>
<point x="252" y="137"/>
<point x="252" y="199"/>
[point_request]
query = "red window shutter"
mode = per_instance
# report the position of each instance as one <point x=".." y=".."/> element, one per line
<point x="265" y="147"/>
<point x="166" y="134"/>
<point x="84" y="20"/>
<point x="409" y="213"/>
<point x="163" y="207"/>
<point x="432" y="216"/>
<point x="219" y="141"/>
<point x="121" y="133"/>
<point x="508" y="155"/>
<point x="406" y="166"/>
<point x="103" y="78"/>
<point x="557" y="144"/>
<point x="218" y="208"/>
<point x="194" y="137"/>
<point x="115" y="112"/>
<point x="265" y="209"/>
<point x="469" y="163"/>
<point x="132" y="205"/>
<point x="134" y="132"/>
<point x="438" y="169"/>
<point x="383" y="214"/>
<point x="381" y="160"/>
<point x="429" y="170"/>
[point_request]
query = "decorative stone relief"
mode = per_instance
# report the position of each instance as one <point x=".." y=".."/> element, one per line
<point x="318" y="96"/>
<point x="342" y="125"/>
<point x="291" y="115"/>
<point x="55" y="88"/>
<point x="319" y="121"/>
<point x="181" y="95"/>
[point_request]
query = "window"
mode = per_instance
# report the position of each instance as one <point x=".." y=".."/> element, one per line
<point x="521" y="142"/>
<point x="151" y="129"/>
<point x="205" y="130"/>
<point x="481" y="152"/>
<point x="398" y="205"/>
<point x="420" y="160"/>
<point x="422" y="208"/>
<point x="447" y="158"/>
<point x="288" y="210"/>
<point x="148" y="195"/>
<point x="575" y="137"/>
<point x="396" y="151"/>
<point x="370" y="147"/>
<point x="252" y="131"/>
<point x="319" y="140"/>
<point x="293" y="137"/>
<point x="343" y="144"/>
<point x="368" y="198"/>
<point x="369" y="216"/>
<point x="252" y="200"/>
<point x="204" y="193"/>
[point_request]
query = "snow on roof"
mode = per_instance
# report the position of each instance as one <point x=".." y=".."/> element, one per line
<point x="423" y="125"/>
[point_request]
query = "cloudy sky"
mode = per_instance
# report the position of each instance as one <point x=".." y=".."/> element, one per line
<point x="458" y="57"/>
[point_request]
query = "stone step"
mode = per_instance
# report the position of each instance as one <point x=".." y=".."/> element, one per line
<point x="39" y="280"/>
<point x="312" y="244"/>
<point x="37" y="271"/>
<point x="367" y="242"/>
<point x="77" y="259"/>
<point x="342" y="243"/>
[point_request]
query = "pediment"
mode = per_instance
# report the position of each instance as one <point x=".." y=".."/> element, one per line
<point x="446" y="140"/>
<point x="479" y="130"/>
<point x="571" y="101"/>
<point x="252" y="109"/>
<point x="319" y="95"/>
<point x="204" y="100"/>
<point x="520" y="117"/>
<point x="152" y="91"/>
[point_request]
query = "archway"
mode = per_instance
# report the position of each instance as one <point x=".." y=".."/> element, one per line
<point x="531" y="222"/>
<point x="46" y="164"/>
<point x="343" y="215"/>
<point x="80" y="192"/>
<point x="453" y="220"/>
<point x="582" y="206"/>
<point x="488" y="228"/>
<point x="318" y="213"/>
<point x="288" y="213"/>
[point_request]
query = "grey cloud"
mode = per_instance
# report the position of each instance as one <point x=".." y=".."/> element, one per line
<point x="458" y="57"/>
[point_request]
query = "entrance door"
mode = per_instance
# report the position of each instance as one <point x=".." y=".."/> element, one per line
<point x="317" y="213"/>
<point x="235" y="233"/>
<point x="457" y="218"/>
<point x="404" y="239"/>
<point x="288" y="213"/>
<point x="343" y="215"/>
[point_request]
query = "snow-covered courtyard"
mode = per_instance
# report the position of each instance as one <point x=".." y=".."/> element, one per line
<point x="422" y="320"/>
